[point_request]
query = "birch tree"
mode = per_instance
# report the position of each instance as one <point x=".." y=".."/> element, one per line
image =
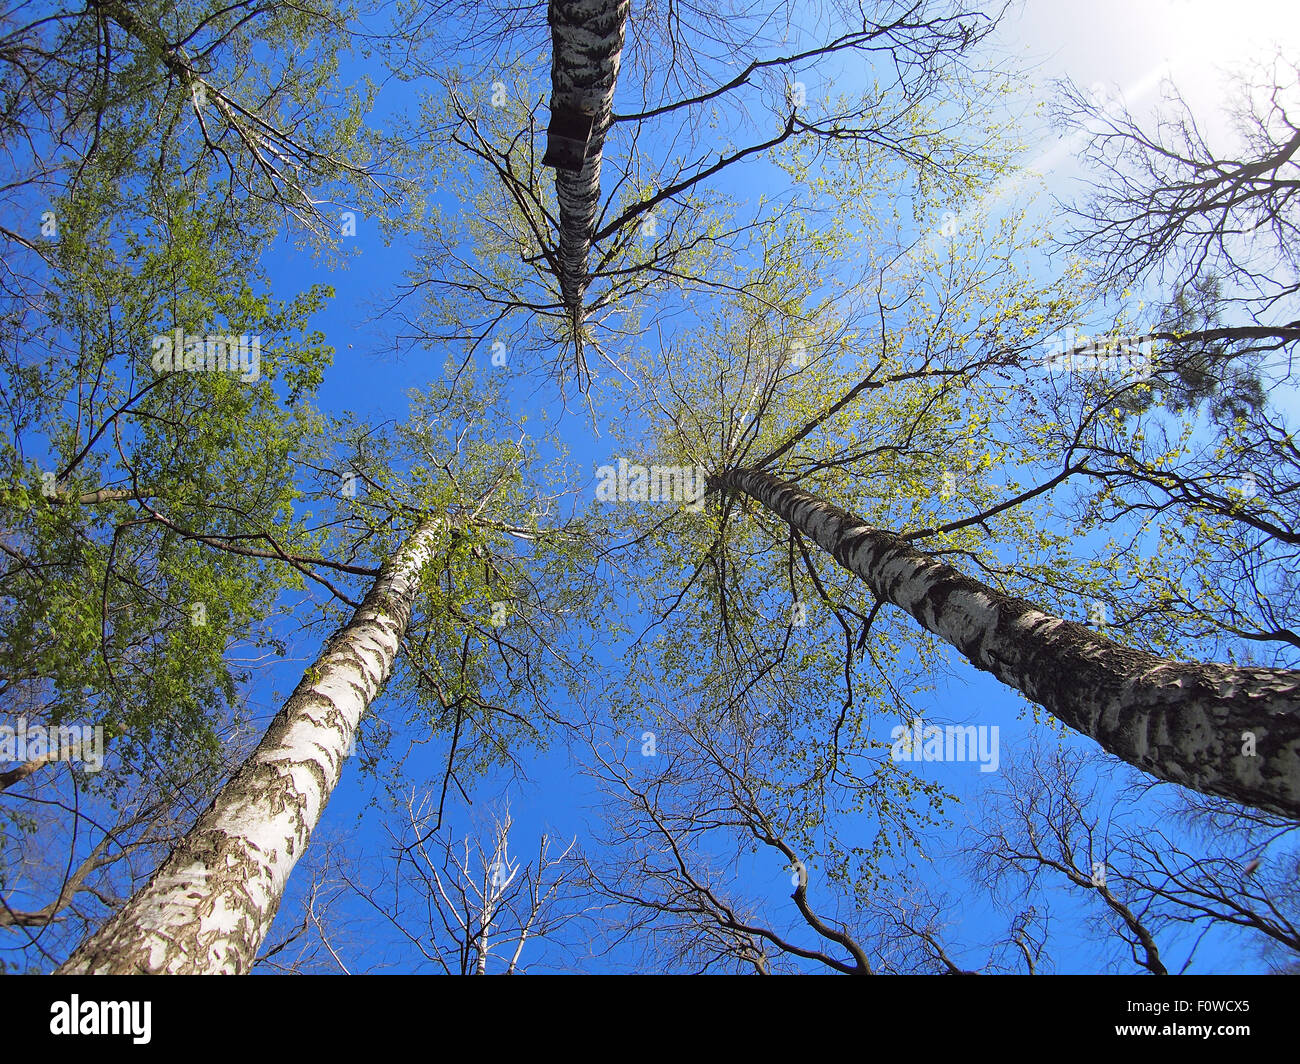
<point x="209" y="906"/>
<point x="663" y="230"/>
<point x="587" y="37"/>
<point x="746" y="637"/>
<point x="1220" y="729"/>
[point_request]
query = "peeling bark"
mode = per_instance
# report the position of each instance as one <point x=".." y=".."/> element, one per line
<point x="1185" y="722"/>
<point x="587" y="44"/>
<point x="209" y="906"/>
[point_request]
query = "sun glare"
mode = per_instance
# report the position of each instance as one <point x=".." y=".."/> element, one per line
<point x="1198" y="36"/>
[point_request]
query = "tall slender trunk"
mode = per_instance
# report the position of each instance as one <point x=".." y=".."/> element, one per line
<point x="484" y="946"/>
<point x="587" y="44"/>
<point x="209" y="906"/>
<point x="1219" y="729"/>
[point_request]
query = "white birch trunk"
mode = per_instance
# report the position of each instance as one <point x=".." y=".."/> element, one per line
<point x="1218" y="729"/>
<point x="208" y="907"/>
<point x="587" y="44"/>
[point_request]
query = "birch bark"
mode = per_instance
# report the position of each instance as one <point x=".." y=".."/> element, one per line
<point x="1219" y="729"/>
<point x="587" y="44"/>
<point x="209" y="906"/>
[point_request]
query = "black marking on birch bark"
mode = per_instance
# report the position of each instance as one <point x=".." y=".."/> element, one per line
<point x="1179" y="721"/>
